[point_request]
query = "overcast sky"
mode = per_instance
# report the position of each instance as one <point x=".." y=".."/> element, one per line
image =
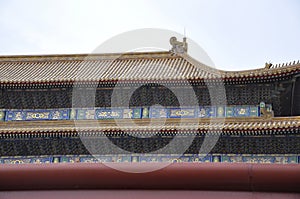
<point x="236" y="34"/>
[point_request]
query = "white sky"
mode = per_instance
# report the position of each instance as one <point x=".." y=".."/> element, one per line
<point x="236" y="34"/>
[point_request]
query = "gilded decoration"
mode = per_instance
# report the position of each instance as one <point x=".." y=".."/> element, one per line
<point x="196" y="158"/>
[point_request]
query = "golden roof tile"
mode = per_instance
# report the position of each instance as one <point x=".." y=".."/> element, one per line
<point x="127" y="67"/>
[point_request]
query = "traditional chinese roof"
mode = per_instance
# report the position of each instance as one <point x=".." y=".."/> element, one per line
<point x="232" y="126"/>
<point x="138" y="66"/>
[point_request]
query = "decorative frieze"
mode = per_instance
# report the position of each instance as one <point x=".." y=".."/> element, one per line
<point x="131" y="113"/>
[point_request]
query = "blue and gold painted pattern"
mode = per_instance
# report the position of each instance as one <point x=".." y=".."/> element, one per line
<point x="182" y="112"/>
<point x="242" y="111"/>
<point x="84" y="114"/>
<point x="242" y="158"/>
<point x="130" y="113"/>
<point x="50" y="114"/>
<point x="221" y="111"/>
<point x="28" y="159"/>
<point x="254" y="111"/>
<point x="158" y="112"/>
<point x="2" y="115"/>
<point x="207" y="112"/>
<point x="111" y="113"/>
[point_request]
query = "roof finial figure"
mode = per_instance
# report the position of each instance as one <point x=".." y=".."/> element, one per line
<point x="268" y="65"/>
<point x="177" y="46"/>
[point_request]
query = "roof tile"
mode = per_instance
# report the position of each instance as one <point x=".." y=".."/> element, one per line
<point x="127" y="66"/>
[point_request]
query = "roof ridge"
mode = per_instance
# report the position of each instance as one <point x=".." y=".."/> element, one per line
<point x="287" y="64"/>
<point x="83" y="56"/>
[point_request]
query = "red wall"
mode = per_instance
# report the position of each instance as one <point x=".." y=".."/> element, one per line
<point x="177" y="176"/>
